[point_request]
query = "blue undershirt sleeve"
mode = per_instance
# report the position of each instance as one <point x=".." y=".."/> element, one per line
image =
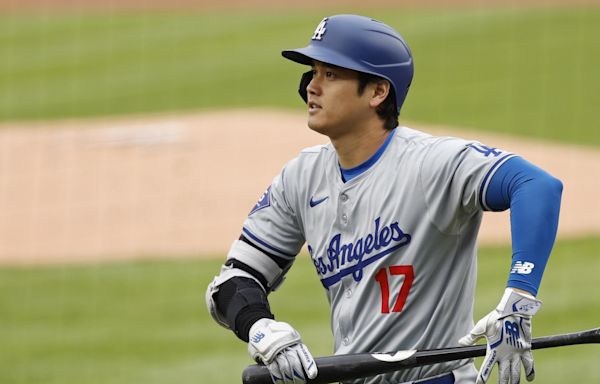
<point x="533" y="197"/>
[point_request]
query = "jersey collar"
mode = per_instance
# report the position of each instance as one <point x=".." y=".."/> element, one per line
<point x="350" y="173"/>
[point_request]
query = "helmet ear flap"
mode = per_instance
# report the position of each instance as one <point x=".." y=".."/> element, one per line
<point x="304" y="81"/>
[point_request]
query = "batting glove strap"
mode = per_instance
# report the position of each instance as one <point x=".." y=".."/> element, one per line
<point x="517" y="303"/>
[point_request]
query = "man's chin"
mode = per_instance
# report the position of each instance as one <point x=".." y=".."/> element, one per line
<point x="315" y="126"/>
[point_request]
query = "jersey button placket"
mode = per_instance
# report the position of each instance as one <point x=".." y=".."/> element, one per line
<point x="343" y="200"/>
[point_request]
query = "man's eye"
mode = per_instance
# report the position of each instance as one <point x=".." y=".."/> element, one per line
<point x="329" y="74"/>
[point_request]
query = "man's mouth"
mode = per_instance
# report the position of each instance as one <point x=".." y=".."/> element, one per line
<point x="312" y="106"/>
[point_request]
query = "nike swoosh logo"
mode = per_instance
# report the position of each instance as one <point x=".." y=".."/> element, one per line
<point x="314" y="203"/>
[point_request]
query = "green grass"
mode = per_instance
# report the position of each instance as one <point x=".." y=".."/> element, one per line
<point x="146" y="322"/>
<point x="531" y="72"/>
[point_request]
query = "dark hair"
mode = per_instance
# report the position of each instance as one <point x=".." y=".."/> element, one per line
<point x="386" y="110"/>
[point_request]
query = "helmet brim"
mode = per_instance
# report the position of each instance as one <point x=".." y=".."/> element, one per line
<point x="311" y="53"/>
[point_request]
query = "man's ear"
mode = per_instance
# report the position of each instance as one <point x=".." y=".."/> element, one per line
<point x="379" y="92"/>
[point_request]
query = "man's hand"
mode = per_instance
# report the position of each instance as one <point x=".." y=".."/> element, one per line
<point x="508" y="332"/>
<point x="278" y="346"/>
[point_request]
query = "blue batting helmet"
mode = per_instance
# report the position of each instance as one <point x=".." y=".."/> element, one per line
<point x="361" y="44"/>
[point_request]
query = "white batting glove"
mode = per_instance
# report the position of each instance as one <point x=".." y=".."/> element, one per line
<point x="508" y="332"/>
<point x="278" y="346"/>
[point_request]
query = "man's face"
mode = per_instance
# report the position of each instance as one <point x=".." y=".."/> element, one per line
<point x="334" y="105"/>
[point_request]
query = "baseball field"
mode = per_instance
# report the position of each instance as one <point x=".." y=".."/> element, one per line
<point x="134" y="140"/>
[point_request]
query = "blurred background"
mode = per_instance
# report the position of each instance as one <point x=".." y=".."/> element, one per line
<point x="135" y="136"/>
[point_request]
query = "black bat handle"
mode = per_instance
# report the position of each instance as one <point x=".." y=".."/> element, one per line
<point x="344" y="367"/>
<point x="331" y="369"/>
<point x="584" y="337"/>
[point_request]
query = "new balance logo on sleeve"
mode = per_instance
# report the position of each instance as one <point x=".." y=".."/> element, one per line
<point x="522" y="268"/>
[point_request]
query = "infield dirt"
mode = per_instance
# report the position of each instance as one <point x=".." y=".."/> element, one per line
<point x="181" y="185"/>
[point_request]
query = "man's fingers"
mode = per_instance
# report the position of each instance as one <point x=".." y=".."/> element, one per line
<point x="307" y="360"/>
<point x="296" y="365"/>
<point x="479" y="330"/>
<point x="528" y="365"/>
<point x="508" y="334"/>
<point x="276" y="375"/>
<point x="293" y="365"/>
<point x="470" y="338"/>
<point x="503" y="371"/>
<point x="467" y="340"/>
<point x="515" y="371"/>
<point x="285" y="368"/>
<point x="480" y="379"/>
<point x="486" y="367"/>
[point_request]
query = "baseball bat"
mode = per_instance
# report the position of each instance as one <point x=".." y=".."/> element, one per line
<point x="353" y="366"/>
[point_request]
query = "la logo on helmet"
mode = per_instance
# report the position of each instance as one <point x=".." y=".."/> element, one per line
<point x="318" y="35"/>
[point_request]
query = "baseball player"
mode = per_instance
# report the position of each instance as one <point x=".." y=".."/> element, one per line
<point x="390" y="216"/>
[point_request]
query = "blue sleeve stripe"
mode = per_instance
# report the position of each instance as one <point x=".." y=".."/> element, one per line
<point x="486" y="179"/>
<point x="265" y="244"/>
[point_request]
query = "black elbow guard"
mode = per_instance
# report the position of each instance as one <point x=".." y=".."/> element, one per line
<point x="243" y="302"/>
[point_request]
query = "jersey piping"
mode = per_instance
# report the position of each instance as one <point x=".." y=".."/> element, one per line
<point x="264" y="243"/>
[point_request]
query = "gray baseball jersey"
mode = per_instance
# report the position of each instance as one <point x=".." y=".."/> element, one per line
<point x="395" y="247"/>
